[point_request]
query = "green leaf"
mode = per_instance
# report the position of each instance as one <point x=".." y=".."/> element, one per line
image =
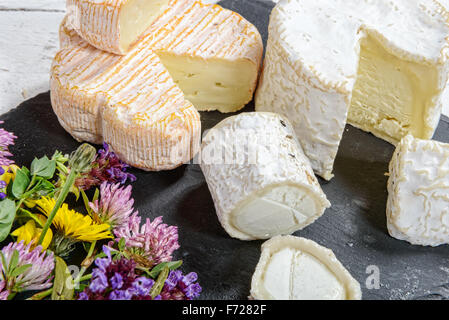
<point x="100" y="255"/>
<point x="45" y="184"/>
<point x="172" y="265"/>
<point x="7" y="216"/>
<point x="41" y="189"/>
<point x="20" y="270"/>
<point x="86" y="246"/>
<point x="81" y="287"/>
<point x="21" y="182"/>
<point x="86" y="202"/>
<point x="43" y="167"/>
<point x="63" y="288"/>
<point x="96" y="195"/>
<point x="159" y="284"/>
<point x="121" y="244"/>
<point x="13" y="262"/>
<point x="26" y="171"/>
<point x="4" y="264"/>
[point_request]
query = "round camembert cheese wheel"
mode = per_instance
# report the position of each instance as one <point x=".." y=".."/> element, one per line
<point x="260" y="180"/>
<point x="292" y="268"/>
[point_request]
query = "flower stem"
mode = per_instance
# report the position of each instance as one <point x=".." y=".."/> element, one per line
<point x="41" y="295"/>
<point x="86" y="262"/>
<point x="46" y="293"/>
<point x="62" y="196"/>
<point x="19" y="204"/>
<point x="11" y="296"/>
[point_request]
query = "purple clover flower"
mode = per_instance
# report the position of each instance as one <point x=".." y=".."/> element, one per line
<point x="115" y="205"/>
<point x="116" y="280"/>
<point x="36" y="277"/>
<point x="4" y="292"/>
<point x="106" y="168"/>
<point x="153" y="242"/>
<point x="6" y="140"/>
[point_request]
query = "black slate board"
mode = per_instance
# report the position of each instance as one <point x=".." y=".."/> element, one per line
<point x="355" y="226"/>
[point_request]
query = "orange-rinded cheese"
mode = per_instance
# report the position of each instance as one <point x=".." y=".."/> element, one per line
<point x="131" y="102"/>
<point x="113" y="25"/>
<point x="212" y="53"/>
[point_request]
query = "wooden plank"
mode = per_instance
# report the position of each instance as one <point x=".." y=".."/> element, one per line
<point x="33" y="5"/>
<point x="28" y="44"/>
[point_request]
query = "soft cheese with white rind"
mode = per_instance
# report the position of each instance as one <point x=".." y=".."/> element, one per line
<point x="381" y="66"/>
<point x="418" y="192"/>
<point x="292" y="268"/>
<point x="213" y="54"/>
<point x="113" y="25"/>
<point x="260" y="180"/>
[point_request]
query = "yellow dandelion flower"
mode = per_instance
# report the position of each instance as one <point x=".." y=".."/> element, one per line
<point x="29" y="232"/>
<point x="73" y="224"/>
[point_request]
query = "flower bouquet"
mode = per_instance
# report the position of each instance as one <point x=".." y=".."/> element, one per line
<point x="126" y="258"/>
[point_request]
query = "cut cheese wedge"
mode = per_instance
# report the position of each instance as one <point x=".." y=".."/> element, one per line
<point x="212" y="54"/>
<point x="134" y="102"/>
<point x="261" y="182"/>
<point x="114" y="25"/>
<point x="292" y="268"/>
<point x="418" y="192"/>
<point x="381" y="66"/>
<point x="131" y="102"/>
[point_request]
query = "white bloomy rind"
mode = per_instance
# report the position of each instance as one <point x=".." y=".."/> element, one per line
<point x="418" y="192"/>
<point x="311" y="70"/>
<point x="260" y="180"/>
<point x="292" y="268"/>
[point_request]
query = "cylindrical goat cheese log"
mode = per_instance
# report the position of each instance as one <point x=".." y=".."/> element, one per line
<point x="418" y="192"/>
<point x="261" y="182"/>
<point x="292" y="268"/>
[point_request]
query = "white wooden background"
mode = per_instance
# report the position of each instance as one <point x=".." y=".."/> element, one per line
<point x="28" y="42"/>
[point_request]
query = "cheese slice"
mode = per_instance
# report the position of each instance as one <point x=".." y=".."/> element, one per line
<point x="418" y="192"/>
<point x="260" y="180"/>
<point x="113" y="25"/>
<point x="381" y="66"/>
<point x="213" y="54"/>
<point x="292" y="268"/>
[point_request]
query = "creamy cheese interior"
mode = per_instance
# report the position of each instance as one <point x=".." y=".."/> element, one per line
<point x="136" y="16"/>
<point x="391" y="95"/>
<point x="212" y="84"/>
<point x="294" y="275"/>
<point x="277" y="211"/>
